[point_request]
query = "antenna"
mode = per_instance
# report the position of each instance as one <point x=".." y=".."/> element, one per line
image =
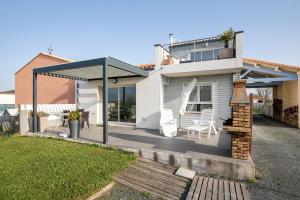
<point x="50" y="50"/>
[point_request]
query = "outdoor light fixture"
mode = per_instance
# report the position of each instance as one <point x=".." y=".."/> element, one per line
<point x="114" y="80"/>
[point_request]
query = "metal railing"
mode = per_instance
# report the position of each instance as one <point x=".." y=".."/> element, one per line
<point x="198" y="54"/>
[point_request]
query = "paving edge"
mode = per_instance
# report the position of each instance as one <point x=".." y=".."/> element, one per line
<point x="102" y="192"/>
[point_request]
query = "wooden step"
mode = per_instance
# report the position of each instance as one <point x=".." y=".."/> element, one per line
<point x="155" y="178"/>
<point x="212" y="189"/>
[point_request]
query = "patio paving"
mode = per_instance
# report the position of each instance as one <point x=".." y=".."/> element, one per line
<point x="130" y="137"/>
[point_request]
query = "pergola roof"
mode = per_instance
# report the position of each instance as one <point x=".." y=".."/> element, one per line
<point x="267" y="74"/>
<point x="92" y="69"/>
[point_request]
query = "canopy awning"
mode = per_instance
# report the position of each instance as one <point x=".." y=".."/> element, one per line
<point x="88" y="70"/>
<point x="92" y="69"/>
<point x="258" y="76"/>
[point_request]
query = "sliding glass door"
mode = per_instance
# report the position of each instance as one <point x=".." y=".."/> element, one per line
<point x="122" y="104"/>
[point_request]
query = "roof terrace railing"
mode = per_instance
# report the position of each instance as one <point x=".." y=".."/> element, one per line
<point x="197" y="51"/>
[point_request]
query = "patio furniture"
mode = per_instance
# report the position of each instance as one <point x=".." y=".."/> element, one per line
<point x="168" y="124"/>
<point x="85" y="118"/>
<point x="205" y="122"/>
<point x="65" y="116"/>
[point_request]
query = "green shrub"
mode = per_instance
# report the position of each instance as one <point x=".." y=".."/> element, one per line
<point x="39" y="114"/>
<point x="74" y="115"/>
<point x="226" y="36"/>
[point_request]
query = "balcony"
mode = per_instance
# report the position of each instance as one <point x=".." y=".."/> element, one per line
<point x="198" y="50"/>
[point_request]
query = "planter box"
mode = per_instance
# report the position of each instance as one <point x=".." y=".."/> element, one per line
<point x="226" y="53"/>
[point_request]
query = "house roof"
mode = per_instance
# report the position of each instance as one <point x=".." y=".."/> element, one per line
<point x="48" y="55"/>
<point x="272" y="65"/>
<point x="147" y="67"/>
<point x="8" y="92"/>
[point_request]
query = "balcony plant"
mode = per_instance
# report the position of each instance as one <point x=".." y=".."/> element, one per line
<point x="74" y="123"/>
<point x="226" y="36"/>
<point x="42" y="121"/>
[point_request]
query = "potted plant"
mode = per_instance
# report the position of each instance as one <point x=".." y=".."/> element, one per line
<point x="42" y="121"/>
<point x="226" y="36"/>
<point x="74" y="123"/>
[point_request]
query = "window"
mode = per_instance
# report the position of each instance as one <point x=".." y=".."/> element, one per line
<point x="205" y="55"/>
<point x="200" y="98"/>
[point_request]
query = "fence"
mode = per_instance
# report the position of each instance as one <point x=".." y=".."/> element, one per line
<point x="8" y="124"/>
<point x="264" y="108"/>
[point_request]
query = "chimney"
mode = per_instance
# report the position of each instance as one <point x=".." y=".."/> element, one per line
<point x="171" y="39"/>
<point x="241" y="131"/>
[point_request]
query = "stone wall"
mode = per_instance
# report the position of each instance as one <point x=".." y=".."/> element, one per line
<point x="240" y="140"/>
<point x="241" y="129"/>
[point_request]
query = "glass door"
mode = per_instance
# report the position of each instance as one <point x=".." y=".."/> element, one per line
<point x="122" y="104"/>
<point x="113" y="104"/>
<point x="127" y="104"/>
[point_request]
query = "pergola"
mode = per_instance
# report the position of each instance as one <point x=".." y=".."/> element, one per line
<point x="96" y="69"/>
<point x="257" y="76"/>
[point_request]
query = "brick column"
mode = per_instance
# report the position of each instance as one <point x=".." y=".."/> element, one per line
<point x="241" y="130"/>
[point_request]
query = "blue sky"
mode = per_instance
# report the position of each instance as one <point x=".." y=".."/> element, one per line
<point x="128" y="29"/>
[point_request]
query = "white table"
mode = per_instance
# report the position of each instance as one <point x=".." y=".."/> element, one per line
<point x="195" y="128"/>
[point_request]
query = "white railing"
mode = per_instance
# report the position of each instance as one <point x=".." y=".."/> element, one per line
<point x="50" y="108"/>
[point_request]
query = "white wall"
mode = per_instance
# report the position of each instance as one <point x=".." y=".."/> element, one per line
<point x="148" y="102"/>
<point x="7" y="99"/>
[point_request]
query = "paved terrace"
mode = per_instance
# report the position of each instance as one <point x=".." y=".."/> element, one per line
<point x="209" y="155"/>
<point x="130" y="137"/>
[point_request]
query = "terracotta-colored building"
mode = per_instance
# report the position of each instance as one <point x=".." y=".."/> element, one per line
<point x="51" y="90"/>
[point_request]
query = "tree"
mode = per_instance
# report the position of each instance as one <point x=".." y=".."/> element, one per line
<point x="265" y="94"/>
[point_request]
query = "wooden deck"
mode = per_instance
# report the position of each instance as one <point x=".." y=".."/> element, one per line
<point x="157" y="179"/>
<point x="216" y="189"/>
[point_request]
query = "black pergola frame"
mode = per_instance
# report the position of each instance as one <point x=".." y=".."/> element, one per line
<point x="105" y="62"/>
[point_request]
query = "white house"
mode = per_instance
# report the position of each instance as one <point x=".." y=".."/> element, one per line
<point x="139" y="100"/>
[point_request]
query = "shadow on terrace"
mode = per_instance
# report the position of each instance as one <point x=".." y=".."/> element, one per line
<point x="130" y="137"/>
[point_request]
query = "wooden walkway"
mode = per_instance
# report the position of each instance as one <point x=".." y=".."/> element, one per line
<point x="155" y="178"/>
<point x="216" y="189"/>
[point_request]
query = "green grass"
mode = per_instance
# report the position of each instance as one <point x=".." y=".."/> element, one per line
<point x="40" y="168"/>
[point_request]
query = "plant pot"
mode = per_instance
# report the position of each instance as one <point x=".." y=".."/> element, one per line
<point x="42" y="124"/>
<point x="74" y="126"/>
<point x="226" y="53"/>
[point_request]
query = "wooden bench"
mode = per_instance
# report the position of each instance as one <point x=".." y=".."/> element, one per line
<point x="216" y="189"/>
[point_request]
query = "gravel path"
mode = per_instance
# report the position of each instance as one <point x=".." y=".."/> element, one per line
<point x="276" y="154"/>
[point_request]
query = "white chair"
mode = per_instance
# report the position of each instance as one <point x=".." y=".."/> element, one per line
<point x="168" y="124"/>
<point x="205" y="122"/>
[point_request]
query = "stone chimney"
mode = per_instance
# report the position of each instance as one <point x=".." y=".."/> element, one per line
<point x="241" y="129"/>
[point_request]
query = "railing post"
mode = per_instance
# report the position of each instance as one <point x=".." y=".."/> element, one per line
<point x="34" y="103"/>
<point x="105" y="101"/>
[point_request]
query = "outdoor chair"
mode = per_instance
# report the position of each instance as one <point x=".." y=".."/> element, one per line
<point x="65" y="116"/>
<point x="85" y="118"/>
<point x="168" y="124"/>
<point x="206" y="122"/>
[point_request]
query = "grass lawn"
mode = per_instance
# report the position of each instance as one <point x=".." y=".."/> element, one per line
<point x="41" y="168"/>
